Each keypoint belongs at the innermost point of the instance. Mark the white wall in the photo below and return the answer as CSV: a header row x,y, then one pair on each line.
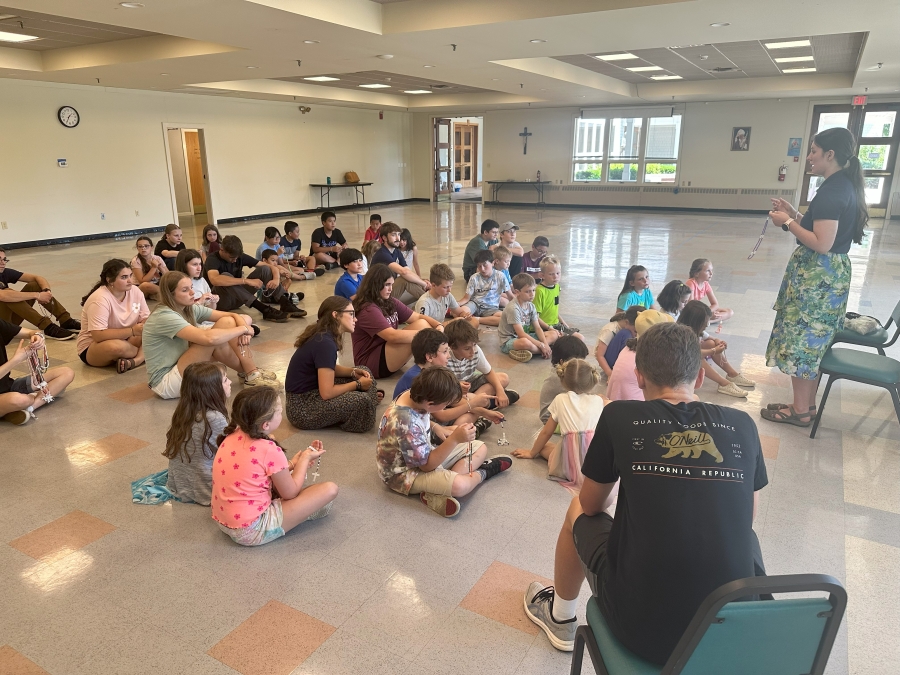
x,y
262,156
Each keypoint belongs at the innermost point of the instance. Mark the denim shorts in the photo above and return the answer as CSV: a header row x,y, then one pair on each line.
x,y
507,346
261,531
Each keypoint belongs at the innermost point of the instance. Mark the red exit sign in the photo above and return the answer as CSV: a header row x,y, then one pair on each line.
x,y
859,100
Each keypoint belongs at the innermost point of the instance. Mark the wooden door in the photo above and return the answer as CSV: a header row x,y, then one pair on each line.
x,y
443,184
195,171
465,149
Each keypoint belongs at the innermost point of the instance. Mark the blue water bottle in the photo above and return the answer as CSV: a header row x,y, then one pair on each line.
x,y
328,180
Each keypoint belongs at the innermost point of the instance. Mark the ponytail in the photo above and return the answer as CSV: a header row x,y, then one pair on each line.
x,y
108,274
843,144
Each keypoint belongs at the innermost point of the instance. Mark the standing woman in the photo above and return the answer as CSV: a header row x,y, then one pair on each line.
x,y
320,393
813,297
147,268
378,341
112,320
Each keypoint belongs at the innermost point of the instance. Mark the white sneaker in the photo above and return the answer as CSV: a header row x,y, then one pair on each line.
x,y
741,381
732,390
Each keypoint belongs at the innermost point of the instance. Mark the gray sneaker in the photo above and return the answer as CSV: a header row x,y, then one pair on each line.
x,y
539,608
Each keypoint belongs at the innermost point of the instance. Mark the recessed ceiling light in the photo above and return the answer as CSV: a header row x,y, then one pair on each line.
x,y
643,69
164,74
384,56
536,42
375,86
798,70
417,91
787,45
616,57
495,79
719,24
794,59
16,37
310,42
252,67
428,66
131,5
322,78
665,77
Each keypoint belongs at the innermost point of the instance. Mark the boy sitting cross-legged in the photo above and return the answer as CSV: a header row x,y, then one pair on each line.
x,y
430,350
439,300
409,464
348,284
472,369
546,297
515,339
484,290
502,260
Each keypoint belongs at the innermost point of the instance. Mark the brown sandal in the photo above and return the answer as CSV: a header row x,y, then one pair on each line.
x,y
779,416
124,365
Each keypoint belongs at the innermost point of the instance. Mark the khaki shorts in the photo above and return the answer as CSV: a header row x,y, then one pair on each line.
x,y
170,385
440,481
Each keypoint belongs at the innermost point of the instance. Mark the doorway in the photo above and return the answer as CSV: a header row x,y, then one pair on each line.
x,y
188,176
876,128
458,158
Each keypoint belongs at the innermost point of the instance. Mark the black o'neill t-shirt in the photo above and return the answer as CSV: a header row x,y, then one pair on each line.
x,y
683,524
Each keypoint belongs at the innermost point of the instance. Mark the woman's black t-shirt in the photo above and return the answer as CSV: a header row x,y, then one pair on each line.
x,y
835,200
320,351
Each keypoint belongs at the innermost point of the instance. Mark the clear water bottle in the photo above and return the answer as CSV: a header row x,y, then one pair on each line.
x,y
539,177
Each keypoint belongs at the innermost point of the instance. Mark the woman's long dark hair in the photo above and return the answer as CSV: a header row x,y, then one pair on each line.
x,y
406,235
108,274
370,289
843,144
184,256
634,269
201,391
670,297
327,323
251,409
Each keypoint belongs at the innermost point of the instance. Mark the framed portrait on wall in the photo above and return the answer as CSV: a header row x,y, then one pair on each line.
x,y
740,138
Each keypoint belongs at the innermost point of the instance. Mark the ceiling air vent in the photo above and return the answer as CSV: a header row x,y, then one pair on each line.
x,y
723,69
439,86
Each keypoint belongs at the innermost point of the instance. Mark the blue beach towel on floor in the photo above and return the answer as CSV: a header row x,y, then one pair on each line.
x,y
152,489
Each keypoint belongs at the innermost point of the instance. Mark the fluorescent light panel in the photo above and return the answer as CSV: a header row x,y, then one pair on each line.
x,y
16,37
665,77
787,45
798,70
794,59
375,86
417,91
616,57
643,69
322,78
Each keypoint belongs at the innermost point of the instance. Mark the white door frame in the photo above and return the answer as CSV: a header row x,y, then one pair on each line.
x,y
206,183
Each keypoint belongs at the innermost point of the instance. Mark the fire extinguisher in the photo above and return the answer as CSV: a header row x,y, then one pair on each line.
x,y
782,172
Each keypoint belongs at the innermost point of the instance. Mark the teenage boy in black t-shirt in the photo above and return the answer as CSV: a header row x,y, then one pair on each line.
x,y
18,306
687,475
327,242
224,270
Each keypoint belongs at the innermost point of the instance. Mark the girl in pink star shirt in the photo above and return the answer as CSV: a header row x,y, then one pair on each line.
x,y
248,464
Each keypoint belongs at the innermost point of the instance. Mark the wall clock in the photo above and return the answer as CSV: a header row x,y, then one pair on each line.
x,y
68,116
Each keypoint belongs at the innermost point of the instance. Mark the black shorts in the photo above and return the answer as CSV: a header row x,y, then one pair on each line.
x,y
83,357
383,370
591,535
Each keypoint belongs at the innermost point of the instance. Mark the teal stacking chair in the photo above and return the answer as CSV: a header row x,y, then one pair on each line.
x,y
791,636
878,338
856,366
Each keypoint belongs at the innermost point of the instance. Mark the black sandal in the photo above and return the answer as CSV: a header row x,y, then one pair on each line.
x,y
779,416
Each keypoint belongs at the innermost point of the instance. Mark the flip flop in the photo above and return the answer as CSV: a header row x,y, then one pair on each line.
x,y
124,365
781,417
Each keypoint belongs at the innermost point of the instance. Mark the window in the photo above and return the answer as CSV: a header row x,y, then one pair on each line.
x,y
637,149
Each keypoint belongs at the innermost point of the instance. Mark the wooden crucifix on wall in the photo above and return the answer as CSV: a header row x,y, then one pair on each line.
x,y
525,134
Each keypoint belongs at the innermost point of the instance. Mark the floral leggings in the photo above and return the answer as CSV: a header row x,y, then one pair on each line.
x,y
353,411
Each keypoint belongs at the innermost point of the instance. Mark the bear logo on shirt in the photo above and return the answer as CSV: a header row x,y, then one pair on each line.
x,y
686,442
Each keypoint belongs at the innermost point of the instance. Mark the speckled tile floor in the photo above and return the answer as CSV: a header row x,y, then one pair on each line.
x,y
92,583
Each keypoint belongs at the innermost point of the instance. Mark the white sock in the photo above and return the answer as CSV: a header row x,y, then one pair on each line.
x,y
563,610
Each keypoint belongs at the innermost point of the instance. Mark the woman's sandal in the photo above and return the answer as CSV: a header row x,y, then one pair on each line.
x,y
779,416
124,365
379,395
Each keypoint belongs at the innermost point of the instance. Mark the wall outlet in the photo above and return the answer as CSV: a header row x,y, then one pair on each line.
x,y
102,216
136,212
3,226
